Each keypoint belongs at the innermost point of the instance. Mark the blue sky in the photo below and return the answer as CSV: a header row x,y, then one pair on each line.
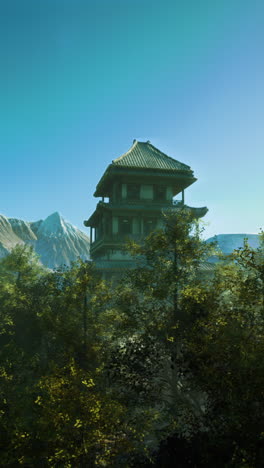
x,y
80,79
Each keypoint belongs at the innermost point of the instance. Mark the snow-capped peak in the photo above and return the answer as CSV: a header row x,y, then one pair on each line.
x,y
53,226
56,226
55,240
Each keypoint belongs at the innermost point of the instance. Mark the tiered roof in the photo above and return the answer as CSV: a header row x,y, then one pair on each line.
x,y
143,156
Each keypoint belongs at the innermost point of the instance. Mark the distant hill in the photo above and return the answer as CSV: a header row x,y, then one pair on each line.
x,y
56,241
229,242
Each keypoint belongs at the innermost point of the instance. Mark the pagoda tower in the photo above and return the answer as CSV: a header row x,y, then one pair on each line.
x,y
139,186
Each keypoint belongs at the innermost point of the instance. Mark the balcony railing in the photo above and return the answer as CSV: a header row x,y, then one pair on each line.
x,y
141,203
115,240
177,203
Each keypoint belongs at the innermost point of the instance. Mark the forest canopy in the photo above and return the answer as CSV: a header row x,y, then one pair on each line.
x,y
162,368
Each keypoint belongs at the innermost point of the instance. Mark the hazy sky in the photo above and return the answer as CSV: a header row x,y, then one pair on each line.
x,y
80,79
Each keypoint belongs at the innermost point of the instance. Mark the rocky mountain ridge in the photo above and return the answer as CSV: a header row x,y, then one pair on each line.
x,y
55,240
58,242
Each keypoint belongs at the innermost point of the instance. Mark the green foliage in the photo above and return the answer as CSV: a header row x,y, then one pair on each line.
x,y
165,366
203,372
221,355
55,408
48,320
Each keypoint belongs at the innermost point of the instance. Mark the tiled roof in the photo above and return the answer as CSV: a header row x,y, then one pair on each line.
x,y
197,212
145,155
207,266
144,159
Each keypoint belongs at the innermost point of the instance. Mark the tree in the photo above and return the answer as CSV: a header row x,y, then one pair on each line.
x,y
165,368
221,356
203,370
150,321
167,261
19,341
55,409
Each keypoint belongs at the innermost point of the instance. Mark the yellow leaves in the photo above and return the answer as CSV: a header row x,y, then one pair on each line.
x,y
4,374
60,454
195,292
171,338
221,322
38,400
63,416
78,423
73,369
22,435
95,410
88,383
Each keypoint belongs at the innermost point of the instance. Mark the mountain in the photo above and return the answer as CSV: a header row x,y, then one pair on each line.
x,y
8,238
56,241
228,242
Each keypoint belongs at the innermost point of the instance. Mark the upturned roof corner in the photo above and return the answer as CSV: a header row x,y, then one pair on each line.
x,y
141,157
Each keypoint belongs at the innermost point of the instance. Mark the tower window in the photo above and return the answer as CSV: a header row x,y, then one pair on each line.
x,y
125,225
160,193
149,225
133,191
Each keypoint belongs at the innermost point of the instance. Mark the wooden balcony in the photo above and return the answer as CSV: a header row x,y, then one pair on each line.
x,y
113,241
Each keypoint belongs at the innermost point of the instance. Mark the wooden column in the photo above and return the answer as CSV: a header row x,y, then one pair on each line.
x,y
141,226
183,197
